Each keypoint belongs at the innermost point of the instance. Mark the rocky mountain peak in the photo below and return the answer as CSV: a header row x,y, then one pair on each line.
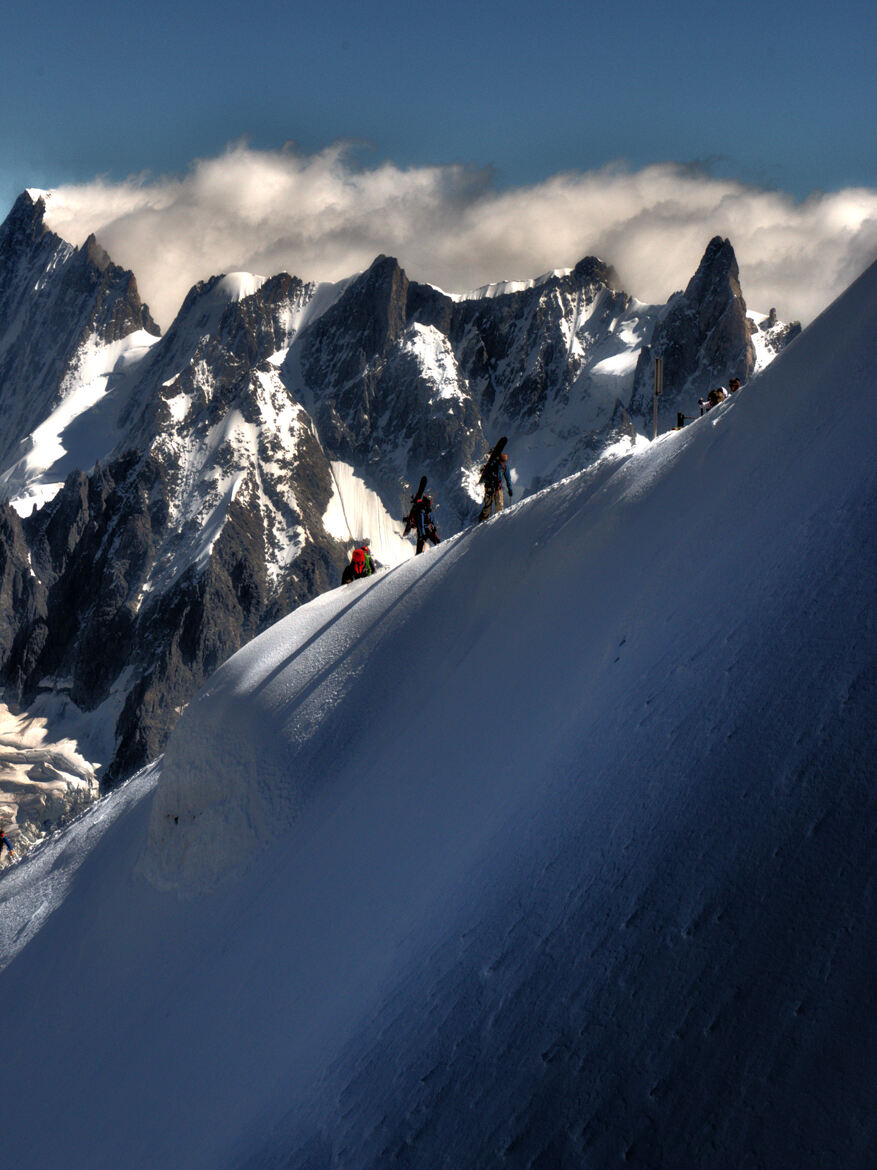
x,y
704,338
95,254
717,273
25,223
26,249
227,325
59,305
383,291
347,347
117,309
594,271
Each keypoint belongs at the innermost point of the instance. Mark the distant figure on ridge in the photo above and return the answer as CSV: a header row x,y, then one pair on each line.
x,y
420,518
712,399
492,474
734,385
360,566
4,840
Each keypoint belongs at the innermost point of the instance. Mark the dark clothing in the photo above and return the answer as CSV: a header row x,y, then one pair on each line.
x,y
493,502
350,574
430,534
360,566
712,399
4,840
492,478
420,519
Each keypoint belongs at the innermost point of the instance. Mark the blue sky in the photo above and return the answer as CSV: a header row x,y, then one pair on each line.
x,y
779,95
775,98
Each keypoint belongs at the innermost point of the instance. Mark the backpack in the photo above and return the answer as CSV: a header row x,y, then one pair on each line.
x,y
490,474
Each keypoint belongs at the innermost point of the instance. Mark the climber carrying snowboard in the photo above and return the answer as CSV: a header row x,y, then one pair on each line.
x,y
492,473
420,518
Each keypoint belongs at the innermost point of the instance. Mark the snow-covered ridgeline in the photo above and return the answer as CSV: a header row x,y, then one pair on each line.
x,y
502,288
552,846
83,428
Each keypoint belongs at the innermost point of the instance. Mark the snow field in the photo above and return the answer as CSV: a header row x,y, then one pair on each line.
x,y
551,847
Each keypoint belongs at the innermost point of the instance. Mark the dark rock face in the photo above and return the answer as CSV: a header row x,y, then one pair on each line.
x,y
520,342
519,359
365,387
90,616
133,585
704,339
23,599
93,547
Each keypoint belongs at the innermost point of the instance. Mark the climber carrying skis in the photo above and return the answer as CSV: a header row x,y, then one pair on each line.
x,y
420,518
360,566
492,474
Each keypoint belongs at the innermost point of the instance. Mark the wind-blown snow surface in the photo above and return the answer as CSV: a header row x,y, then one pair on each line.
x,y
553,847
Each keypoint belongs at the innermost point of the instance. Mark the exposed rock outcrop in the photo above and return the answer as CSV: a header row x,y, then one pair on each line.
x,y
54,299
704,338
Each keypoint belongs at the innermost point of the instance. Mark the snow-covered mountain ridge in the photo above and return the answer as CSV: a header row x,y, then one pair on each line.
x,y
555,859
216,477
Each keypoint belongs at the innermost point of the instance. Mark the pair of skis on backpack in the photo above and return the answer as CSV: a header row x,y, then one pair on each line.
x,y
419,515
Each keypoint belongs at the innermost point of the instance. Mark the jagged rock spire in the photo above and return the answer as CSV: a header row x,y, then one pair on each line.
x,y
704,337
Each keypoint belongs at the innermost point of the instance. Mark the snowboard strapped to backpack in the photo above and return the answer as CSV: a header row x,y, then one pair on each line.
x,y
417,501
490,471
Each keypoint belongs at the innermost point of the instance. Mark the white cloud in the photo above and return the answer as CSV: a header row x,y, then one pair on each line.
x,y
321,217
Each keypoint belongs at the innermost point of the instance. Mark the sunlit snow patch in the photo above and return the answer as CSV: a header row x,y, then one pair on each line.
x,y
503,288
356,513
433,353
239,285
42,778
64,441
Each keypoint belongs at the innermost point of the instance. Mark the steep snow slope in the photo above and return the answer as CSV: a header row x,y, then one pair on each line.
x,y
83,426
552,847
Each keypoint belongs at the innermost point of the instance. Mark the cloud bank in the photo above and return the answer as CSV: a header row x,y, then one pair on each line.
x,y
323,217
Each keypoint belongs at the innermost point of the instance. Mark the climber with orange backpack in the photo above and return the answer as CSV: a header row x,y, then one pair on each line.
x,y
360,566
